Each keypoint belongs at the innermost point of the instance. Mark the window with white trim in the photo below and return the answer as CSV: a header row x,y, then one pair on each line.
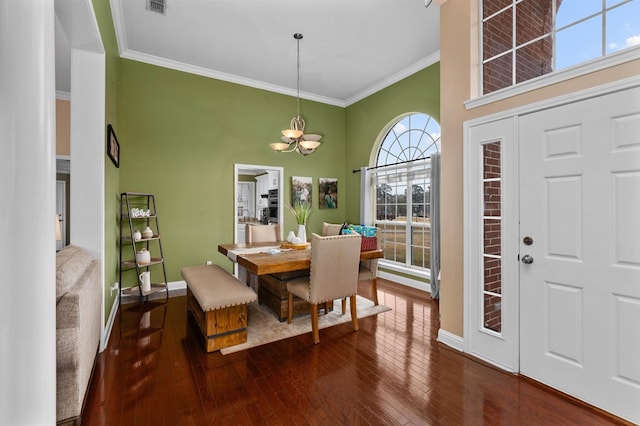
x,y
401,183
524,39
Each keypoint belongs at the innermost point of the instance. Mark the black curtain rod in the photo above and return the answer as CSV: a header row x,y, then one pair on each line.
x,y
394,164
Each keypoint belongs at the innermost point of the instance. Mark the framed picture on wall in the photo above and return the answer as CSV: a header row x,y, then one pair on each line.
x,y
328,193
113,147
300,189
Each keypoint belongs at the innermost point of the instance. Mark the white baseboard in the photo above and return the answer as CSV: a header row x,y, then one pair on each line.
x,y
420,285
451,340
177,285
109,325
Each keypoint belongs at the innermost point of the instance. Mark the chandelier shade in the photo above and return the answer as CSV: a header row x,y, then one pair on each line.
x,y
293,138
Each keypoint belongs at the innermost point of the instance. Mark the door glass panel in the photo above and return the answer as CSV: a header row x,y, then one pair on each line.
x,y
493,312
492,237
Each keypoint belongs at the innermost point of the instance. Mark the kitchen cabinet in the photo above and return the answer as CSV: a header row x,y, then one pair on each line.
x,y
241,233
262,184
273,180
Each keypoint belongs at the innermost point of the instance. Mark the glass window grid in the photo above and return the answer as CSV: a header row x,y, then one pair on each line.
x,y
607,6
404,188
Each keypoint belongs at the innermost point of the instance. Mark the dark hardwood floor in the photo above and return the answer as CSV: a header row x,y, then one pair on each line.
x,y
155,372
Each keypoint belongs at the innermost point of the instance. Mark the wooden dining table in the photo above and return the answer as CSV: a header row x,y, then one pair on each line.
x,y
273,271
287,260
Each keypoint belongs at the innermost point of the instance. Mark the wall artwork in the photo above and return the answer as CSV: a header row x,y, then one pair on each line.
x,y
328,191
300,189
113,147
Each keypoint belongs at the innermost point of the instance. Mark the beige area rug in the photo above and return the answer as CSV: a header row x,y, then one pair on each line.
x,y
264,327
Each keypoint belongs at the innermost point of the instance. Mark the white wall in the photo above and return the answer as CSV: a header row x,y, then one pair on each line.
x,y
27,221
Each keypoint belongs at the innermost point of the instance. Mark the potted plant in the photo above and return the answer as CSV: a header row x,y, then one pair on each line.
x,y
301,210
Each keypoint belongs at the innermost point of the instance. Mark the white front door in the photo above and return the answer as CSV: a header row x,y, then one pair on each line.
x,y
580,216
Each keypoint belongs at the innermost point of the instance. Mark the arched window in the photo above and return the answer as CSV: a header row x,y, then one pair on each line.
x,y
413,137
401,182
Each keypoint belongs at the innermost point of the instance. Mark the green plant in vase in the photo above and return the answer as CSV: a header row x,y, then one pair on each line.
x,y
301,210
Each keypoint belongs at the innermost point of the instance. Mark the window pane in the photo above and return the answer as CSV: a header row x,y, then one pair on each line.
x,y
420,243
497,34
493,275
579,43
393,242
497,73
492,198
570,11
534,60
623,27
534,18
491,160
493,312
492,234
489,7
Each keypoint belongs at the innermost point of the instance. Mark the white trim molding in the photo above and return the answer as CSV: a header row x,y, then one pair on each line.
x,y
106,332
451,340
594,65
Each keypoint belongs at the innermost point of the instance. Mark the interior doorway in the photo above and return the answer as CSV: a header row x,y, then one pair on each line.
x,y
268,181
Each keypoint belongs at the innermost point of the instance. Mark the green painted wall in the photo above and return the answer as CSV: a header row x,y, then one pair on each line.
x,y
111,179
180,136
367,118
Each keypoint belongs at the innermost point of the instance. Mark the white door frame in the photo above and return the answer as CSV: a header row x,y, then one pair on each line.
x,y
510,233
497,348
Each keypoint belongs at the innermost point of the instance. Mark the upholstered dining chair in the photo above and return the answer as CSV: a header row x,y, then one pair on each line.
x,y
334,275
369,272
262,233
331,228
257,234
368,268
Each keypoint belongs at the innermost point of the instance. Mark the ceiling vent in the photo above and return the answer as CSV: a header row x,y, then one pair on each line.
x,y
156,6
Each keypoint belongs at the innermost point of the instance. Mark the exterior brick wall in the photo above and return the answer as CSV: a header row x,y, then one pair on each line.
x,y
533,19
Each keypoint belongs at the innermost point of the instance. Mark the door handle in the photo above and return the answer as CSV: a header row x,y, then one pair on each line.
x,y
527,259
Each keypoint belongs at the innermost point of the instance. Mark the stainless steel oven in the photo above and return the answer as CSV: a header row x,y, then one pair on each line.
x,y
273,206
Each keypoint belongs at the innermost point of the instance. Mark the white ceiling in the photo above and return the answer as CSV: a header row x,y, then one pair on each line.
x,y
350,49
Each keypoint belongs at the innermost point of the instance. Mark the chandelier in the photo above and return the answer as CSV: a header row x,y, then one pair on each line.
x,y
293,138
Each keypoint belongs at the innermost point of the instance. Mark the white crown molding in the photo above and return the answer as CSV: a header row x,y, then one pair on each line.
x,y
117,16
63,96
231,78
394,78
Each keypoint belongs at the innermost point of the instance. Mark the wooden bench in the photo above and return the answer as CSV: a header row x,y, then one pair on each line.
x,y
218,303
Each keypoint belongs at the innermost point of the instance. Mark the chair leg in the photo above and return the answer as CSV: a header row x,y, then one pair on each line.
x,y
374,289
290,309
354,314
344,305
314,323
